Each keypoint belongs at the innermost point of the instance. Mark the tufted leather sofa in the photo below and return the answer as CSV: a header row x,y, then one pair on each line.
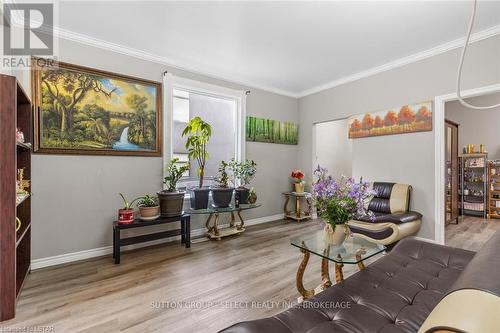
x,y
392,220
451,288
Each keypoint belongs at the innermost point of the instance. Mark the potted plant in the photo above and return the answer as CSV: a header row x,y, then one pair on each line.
x,y
337,202
126,214
148,207
198,134
243,173
252,198
222,193
298,177
171,199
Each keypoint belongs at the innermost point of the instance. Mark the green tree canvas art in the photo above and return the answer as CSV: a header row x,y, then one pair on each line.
x,y
86,111
271,131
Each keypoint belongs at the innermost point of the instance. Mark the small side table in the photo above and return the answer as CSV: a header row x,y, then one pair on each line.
x,y
184,232
298,214
353,251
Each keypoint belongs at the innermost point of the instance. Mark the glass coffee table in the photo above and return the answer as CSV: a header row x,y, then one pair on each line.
x,y
353,251
212,223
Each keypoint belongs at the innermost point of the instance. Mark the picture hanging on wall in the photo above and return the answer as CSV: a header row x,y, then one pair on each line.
x,y
400,120
271,131
79,110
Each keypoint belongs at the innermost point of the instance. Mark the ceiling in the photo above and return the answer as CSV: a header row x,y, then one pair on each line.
x,y
290,47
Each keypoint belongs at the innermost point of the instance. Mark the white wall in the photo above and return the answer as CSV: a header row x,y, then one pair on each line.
x,y
407,158
333,147
75,197
477,126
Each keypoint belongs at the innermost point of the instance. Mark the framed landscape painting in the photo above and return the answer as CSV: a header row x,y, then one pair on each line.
x,y
80,110
271,131
404,119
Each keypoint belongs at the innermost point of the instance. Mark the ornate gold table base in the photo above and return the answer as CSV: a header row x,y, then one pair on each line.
x,y
325,275
298,214
214,232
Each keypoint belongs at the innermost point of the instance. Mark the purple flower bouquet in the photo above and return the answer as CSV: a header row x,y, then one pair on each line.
x,y
337,202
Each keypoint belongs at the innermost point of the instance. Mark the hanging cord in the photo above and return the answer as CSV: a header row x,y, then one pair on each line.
x,y
464,50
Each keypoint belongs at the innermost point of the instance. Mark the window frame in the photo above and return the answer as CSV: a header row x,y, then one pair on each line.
x,y
171,82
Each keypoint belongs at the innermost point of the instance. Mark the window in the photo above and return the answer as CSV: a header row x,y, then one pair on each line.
x,y
222,108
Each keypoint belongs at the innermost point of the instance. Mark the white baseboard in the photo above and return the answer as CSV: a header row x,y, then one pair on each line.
x,y
107,250
428,240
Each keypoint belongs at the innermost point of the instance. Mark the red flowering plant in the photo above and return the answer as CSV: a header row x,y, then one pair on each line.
x,y
297,176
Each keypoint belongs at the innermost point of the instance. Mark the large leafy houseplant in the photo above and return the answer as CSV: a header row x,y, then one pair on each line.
x,y
198,134
172,200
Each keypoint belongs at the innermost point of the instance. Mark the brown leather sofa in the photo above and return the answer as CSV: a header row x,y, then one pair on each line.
x,y
392,220
417,287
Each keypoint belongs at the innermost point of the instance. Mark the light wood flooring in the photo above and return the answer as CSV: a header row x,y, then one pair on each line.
x,y
259,266
471,232
97,296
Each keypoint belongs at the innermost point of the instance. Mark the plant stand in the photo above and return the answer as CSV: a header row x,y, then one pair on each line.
x,y
214,229
298,214
214,232
184,232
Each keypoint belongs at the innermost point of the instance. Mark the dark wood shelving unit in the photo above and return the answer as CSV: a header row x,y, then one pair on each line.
x,y
494,189
15,260
473,178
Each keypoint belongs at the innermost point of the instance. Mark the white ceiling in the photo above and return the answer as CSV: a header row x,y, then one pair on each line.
x,y
292,47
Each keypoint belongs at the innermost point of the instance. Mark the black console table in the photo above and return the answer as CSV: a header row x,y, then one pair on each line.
x,y
184,232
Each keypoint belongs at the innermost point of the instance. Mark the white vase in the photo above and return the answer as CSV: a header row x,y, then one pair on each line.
x,y
335,235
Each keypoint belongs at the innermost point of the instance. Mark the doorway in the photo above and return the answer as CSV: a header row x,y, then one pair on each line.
x,y
332,147
467,145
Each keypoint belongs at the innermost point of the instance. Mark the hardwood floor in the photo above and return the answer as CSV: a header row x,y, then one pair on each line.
x,y
471,232
98,296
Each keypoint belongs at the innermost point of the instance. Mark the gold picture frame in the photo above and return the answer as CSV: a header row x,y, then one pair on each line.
x,y
86,111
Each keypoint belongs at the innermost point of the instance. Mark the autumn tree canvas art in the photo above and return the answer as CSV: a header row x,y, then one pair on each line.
x,y
400,120
80,110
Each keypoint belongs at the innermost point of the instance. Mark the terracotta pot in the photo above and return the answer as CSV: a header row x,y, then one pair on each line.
x,y
335,236
125,216
299,187
149,211
171,203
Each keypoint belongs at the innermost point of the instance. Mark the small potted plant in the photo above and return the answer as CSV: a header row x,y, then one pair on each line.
x,y
198,134
171,199
148,207
337,202
222,193
126,214
243,173
298,184
252,198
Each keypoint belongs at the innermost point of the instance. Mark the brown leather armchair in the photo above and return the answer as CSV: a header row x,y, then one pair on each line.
x,y
392,219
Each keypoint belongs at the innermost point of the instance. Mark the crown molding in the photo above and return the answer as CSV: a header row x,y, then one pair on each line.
x,y
449,46
136,53
184,66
